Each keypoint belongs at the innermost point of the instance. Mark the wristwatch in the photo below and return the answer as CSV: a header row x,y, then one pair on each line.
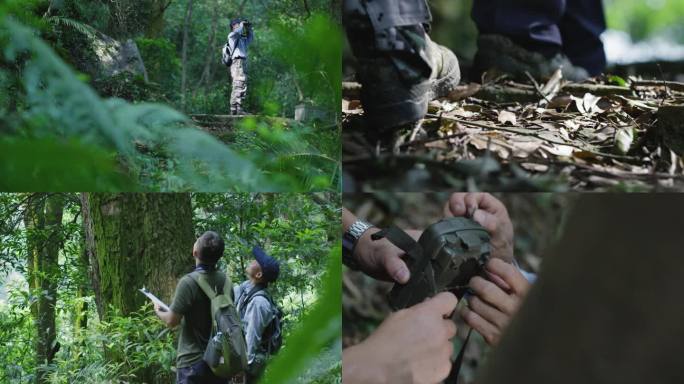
x,y
349,240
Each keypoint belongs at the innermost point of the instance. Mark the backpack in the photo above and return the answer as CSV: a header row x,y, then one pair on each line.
x,y
226,352
227,55
272,339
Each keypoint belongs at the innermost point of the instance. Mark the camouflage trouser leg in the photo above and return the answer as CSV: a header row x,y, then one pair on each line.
x,y
238,73
389,41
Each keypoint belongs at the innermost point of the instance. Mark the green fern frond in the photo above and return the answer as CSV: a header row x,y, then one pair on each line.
x,y
76,25
74,110
157,144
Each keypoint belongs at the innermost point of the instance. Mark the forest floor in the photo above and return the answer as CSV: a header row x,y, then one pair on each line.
x,y
223,127
603,134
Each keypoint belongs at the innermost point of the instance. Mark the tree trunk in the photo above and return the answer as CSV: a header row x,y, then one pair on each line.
x,y
139,240
43,221
89,249
306,8
155,28
184,70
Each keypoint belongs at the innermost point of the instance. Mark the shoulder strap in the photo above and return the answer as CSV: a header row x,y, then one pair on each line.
x,y
250,294
246,297
230,50
419,267
228,289
261,292
201,280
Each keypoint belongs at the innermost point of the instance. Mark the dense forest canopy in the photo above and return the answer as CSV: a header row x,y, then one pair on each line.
x,y
128,94
72,264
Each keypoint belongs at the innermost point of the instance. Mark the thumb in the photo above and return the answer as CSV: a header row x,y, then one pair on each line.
x,y
486,220
444,303
396,268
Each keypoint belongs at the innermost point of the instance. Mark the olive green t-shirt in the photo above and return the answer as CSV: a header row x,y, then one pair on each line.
x,y
190,301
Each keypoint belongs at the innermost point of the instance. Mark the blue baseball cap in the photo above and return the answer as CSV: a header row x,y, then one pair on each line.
x,y
270,267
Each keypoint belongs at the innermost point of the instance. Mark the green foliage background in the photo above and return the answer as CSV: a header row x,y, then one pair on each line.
x,y
301,230
133,132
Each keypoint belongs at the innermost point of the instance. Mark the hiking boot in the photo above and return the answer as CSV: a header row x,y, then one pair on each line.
x,y
396,87
445,74
497,54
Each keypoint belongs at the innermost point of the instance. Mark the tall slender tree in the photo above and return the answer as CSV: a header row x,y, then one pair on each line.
x,y
184,58
43,221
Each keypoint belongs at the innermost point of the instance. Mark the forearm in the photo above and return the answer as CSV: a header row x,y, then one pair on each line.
x,y
348,219
169,318
364,243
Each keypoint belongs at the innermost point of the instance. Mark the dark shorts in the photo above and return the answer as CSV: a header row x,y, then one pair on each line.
x,y
198,373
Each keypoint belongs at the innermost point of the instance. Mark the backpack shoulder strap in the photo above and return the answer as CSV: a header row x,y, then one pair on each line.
x,y
264,294
204,284
246,297
256,290
228,289
228,40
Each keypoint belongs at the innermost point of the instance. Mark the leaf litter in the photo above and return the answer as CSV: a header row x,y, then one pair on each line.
x,y
505,135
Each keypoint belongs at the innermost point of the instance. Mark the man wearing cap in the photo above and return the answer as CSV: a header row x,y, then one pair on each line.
x,y
238,40
256,309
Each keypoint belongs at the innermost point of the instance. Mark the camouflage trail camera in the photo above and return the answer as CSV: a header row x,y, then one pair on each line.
x,y
447,255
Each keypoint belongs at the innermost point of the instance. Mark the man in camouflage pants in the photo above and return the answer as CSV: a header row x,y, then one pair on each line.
x,y
239,39
399,67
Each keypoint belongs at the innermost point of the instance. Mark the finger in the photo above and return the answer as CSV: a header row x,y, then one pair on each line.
x,y
488,312
498,281
493,294
482,326
455,206
489,221
485,201
449,328
396,268
443,303
473,201
510,274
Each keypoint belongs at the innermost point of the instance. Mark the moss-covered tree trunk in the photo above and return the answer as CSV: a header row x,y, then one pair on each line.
x,y
155,28
43,221
137,240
